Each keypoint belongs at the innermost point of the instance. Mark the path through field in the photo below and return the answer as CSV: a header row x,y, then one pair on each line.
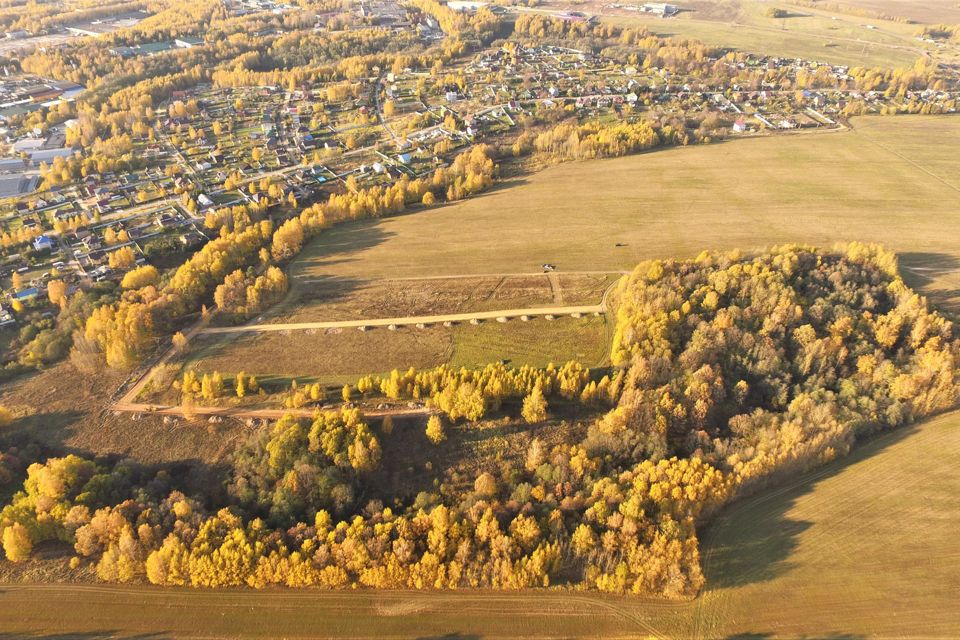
x,y
505,314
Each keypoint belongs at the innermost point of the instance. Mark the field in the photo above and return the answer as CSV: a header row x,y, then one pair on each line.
x,y
349,354
275,357
815,34
481,254
863,547
889,180
929,12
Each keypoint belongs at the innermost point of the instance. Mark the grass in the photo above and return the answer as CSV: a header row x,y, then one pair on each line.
x,y
536,343
890,180
607,216
807,33
928,11
337,356
863,547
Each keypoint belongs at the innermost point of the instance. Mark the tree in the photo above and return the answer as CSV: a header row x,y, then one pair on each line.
x,y
179,342
435,430
534,406
122,258
140,277
387,425
485,485
16,543
6,416
240,385
346,393
429,199
57,292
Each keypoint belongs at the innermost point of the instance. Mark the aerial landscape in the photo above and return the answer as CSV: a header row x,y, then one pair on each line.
x,y
476,319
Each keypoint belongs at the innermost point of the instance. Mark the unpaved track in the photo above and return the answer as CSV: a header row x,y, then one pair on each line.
x,y
410,320
257,414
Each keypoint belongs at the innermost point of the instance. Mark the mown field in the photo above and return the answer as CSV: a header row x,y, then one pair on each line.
x,y
889,180
864,547
813,34
892,180
338,356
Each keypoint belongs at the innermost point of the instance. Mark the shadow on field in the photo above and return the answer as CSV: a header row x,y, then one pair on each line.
x,y
921,269
85,635
452,636
337,245
752,540
750,635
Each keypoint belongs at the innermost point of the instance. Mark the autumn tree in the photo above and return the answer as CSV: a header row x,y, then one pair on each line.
x,y
435,430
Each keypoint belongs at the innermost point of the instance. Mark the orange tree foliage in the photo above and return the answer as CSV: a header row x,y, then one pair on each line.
x,y
733,370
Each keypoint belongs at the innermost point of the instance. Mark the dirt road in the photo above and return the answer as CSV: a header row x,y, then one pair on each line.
x,y
507,314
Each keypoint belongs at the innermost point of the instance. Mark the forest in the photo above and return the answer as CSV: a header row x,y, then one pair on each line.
x,y
730,372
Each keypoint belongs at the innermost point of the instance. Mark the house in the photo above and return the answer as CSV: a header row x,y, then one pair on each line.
x,y
6,319
661,9
26,294
187,42
739,126
204,200
44,243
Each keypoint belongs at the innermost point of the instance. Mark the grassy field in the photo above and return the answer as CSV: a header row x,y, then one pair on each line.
x,y
890,180
336,356
864,547
814,34
928,11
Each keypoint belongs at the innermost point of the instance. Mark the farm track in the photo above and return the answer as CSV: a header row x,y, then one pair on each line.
x,y
410,320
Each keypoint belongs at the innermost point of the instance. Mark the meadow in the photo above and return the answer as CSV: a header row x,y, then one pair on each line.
x,y
863,547
814,34
890,180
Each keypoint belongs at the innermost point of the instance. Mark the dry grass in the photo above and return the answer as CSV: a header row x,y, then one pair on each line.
x,y
66,411
892,180
336,356
345,298
813,34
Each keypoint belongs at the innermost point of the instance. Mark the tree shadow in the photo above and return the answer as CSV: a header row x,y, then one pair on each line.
x,y
452,636
921,269
86,635
341,244
751,541
754,635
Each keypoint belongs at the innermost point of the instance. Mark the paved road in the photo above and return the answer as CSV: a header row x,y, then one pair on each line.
x,y
410,320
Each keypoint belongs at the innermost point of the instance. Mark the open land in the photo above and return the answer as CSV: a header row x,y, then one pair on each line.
x,y
888,180
779,564
814,33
